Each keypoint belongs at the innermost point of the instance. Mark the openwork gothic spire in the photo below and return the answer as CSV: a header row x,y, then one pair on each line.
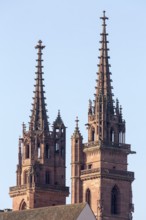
x,y
104,88
39,119
105,121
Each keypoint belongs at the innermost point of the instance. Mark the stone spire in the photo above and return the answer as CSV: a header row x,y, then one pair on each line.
x,y
39,119
105,121
104,88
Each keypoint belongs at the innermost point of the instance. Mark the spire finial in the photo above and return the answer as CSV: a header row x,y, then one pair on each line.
x,y
77,121
39,46
104,18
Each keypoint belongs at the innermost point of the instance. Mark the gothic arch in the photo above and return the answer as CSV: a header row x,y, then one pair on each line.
x,y
88,196
23,205
115,200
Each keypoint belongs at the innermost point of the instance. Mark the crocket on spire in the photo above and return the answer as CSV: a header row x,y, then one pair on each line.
x,y
39,119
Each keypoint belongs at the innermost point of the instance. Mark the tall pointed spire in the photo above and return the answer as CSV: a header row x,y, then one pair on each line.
x,y
39,119
104,116
104,87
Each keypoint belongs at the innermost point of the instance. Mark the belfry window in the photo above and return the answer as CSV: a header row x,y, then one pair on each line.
x,y
115,200
88,196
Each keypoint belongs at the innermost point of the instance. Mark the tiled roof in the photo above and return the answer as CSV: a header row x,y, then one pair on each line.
x,y
62,212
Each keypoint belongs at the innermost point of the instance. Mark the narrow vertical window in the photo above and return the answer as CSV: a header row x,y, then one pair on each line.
x,y
88,196
57,132
27,151
47,151
115,200
93,135
57,147
112,135
39,151
47,177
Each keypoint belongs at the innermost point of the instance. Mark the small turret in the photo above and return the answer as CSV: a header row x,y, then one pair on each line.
x,y
59,134
76,164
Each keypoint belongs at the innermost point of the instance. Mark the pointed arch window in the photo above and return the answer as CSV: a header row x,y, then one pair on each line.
x,y
88,196
23,205
115,200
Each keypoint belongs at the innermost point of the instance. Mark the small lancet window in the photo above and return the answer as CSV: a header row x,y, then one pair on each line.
x,y
93,135
57,132
88,196
27,151
112,135
115,200
47,151
57,147
120,137
39,151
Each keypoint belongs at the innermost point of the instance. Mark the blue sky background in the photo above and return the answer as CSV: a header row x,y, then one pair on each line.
x,y
70,29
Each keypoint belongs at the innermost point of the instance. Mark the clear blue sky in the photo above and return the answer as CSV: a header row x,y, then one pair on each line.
x,y
70,29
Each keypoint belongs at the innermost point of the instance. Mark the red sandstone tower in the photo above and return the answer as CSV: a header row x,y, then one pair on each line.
x,y
99,168
41,158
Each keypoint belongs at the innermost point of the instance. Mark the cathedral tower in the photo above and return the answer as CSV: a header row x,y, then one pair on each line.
x,y
99,167
41,158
